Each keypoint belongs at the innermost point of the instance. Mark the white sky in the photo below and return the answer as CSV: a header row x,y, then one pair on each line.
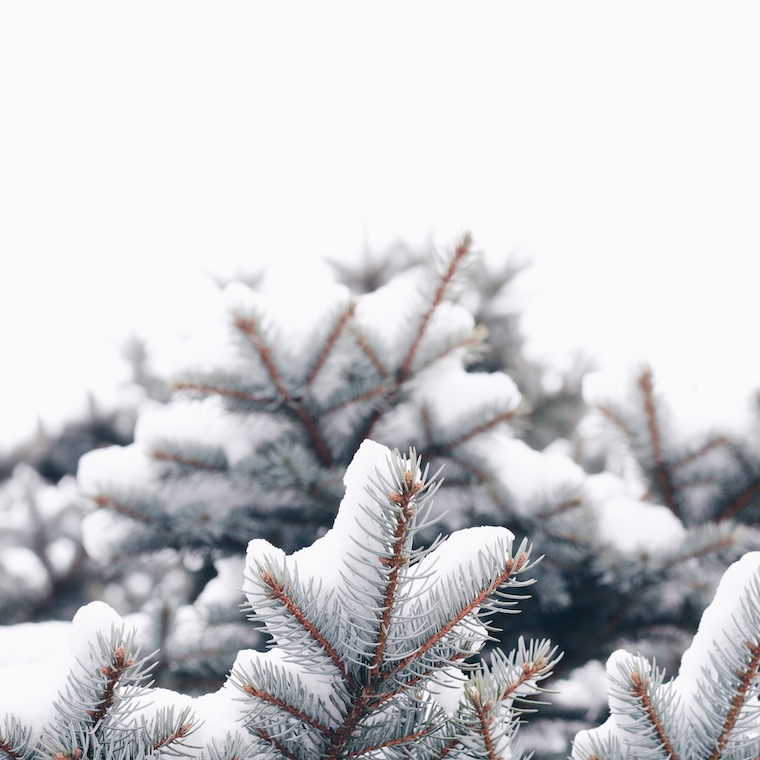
x,y
144,143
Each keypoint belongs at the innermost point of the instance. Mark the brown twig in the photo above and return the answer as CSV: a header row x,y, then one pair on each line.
x,y
196,464
485,721
180,733
714,443
468,435
332,339
640,691
460,252
218,390
264,696
249,328
662,474
740,501
363,343
102,500
512,567
746,679
278,591
113,673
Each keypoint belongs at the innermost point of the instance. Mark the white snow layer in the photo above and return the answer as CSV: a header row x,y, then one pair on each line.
x,y
628,523
533,479
29,688
718,625
120,466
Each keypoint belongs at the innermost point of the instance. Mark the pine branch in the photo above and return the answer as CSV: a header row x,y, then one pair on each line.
x,y
462,250
384,633
661,469
741,500
204,389
329,345
370,353
747,677
709,711
128,510
249,327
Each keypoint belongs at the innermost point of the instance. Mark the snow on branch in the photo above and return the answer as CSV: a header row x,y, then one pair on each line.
x,y
708,712
370,629
375,644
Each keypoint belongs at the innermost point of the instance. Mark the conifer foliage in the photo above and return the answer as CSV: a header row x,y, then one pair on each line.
x,y
710,711
375,651
711,476
259,432
366,652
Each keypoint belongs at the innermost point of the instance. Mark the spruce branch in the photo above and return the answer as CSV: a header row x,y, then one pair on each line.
x,y
358,649
205,389
14,740
709,712
329,344
461,251
661,468
250,328
739,502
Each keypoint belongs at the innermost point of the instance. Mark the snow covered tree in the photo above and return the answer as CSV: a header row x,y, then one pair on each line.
x,y
376,644
276,398
710,711
270,405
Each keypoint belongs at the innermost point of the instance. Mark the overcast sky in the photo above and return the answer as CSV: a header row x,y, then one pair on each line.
x,y
147,143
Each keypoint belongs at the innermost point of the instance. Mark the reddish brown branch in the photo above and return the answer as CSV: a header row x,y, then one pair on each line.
x,y
378,390
249,328
266,697
715,443
660,467
332,339
565,506
460,252
181,732
394,742
724,543
741,501
746,679
286,753
279,592
484,721
396,562
482,428
102,500
640,691
113,673
370,352
512,567
529,670
197,464
615,419
218,390
472,339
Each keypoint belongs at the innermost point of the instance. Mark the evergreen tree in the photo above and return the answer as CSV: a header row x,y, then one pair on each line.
x,y
375,641
255,442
